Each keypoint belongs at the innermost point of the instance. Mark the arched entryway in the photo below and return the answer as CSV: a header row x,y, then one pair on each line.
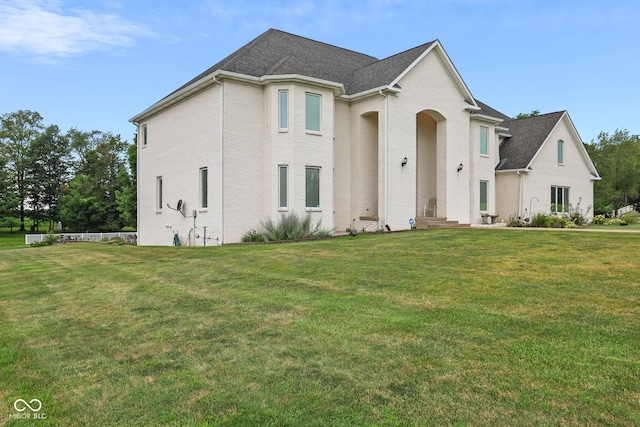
x,y
430,169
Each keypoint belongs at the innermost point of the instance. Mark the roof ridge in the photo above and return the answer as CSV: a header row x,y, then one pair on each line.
x,y
234,55
539,115
319,42
423,45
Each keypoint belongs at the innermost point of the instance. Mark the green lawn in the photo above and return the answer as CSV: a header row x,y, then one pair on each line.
x,y
10,240
452,327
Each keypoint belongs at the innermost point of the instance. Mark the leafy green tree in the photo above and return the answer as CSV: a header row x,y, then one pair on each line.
x,y
17,132
617,159
8,198
91,202
49,173
81,208
533,113
127,196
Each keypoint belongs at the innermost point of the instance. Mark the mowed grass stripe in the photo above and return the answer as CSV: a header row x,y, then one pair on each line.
x,y
463,327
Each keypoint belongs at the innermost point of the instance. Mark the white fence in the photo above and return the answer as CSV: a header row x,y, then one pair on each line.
x,y
623,210
128,236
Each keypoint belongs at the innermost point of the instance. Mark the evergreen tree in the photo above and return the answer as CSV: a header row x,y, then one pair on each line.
x,y
17,131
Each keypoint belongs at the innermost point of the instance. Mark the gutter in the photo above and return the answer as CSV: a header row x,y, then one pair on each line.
x,y
372,92
221,241
485,118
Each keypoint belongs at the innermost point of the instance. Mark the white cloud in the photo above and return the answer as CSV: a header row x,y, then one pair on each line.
x,y
45,29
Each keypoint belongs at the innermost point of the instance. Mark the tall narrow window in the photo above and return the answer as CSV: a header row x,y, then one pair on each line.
x,y
312,111
283,187
559,199
484,146
484,192
204,188
159,193
144,135
312,187
283,114
560,151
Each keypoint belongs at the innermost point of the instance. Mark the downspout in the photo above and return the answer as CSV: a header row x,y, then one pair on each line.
x,y
520,195
138,192
221,241
386,156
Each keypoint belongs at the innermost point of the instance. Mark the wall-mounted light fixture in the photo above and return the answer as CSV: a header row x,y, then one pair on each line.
x,y
459,167
404,162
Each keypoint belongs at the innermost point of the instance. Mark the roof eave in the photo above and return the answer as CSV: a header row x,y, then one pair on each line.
x,y
219,75
176,97
486,118
522,170
372,92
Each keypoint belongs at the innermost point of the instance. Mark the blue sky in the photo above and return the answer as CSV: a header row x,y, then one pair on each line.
x,y
95,64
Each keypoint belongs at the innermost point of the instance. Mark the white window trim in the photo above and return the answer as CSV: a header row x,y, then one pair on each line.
x,y
487,142
559,144
311,131
201,193
480,195
565,203
283,208
145,139
281,129
159,195
319,207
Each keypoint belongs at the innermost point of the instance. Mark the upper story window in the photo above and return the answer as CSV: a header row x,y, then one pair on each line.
x,y
283,110
144,135
560,152
484,137
312,112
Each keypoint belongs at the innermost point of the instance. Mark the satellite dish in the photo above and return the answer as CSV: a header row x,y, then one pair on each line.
x,y
179,206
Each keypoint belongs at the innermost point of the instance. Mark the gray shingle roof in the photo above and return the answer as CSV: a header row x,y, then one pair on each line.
x,y
277,52
488,111
527,136
383,72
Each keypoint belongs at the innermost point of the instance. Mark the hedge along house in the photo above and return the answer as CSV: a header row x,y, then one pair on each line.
x,y
288,124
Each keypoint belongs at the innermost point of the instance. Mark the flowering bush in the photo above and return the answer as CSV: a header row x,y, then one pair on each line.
x,y
598,220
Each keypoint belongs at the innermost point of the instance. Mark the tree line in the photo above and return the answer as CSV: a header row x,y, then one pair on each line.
x,y
617,158
87,180
84,180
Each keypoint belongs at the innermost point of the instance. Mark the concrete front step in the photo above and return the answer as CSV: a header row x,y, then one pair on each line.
x,y
425,223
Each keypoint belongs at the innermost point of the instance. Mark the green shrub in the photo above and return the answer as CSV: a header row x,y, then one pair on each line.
x,y
516,221
632,217
539,220
554,221
48,240
614,221
288,227
252,236
577,215
598,219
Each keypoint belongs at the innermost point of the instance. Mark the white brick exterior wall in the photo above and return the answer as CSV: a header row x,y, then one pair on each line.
x,y
546,172
180,141
426,122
